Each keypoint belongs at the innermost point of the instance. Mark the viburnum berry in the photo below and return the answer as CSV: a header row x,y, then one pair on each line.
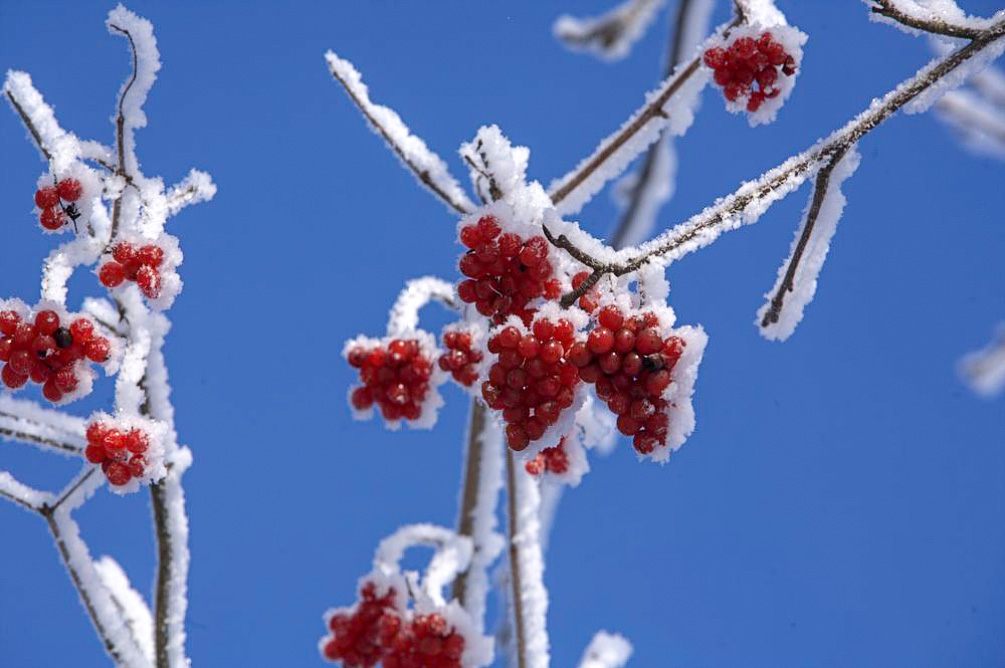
x,y
550,460
52,218
48,353
460,358
46,198
588,301
355,633
531,382
504,271
749,68
428,641
631,364
396,377
69,190
49,199
119,450
139,264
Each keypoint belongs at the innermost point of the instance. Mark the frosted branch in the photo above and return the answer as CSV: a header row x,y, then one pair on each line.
x,y
753,198
427,167
129,603
978,121
146,62
14,490
418,292
984,370
483,480
526,565
612,35
606,650
669,106
797,277
942,19
27,422
196,187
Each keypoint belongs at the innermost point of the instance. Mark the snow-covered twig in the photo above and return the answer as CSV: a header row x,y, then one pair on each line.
x,y
14,490
797,278
984,370
27,422
651,186
753,198
606,650
669,106
979,122
526,566
612,35
428,167
914,15
197,187
129,602
404,315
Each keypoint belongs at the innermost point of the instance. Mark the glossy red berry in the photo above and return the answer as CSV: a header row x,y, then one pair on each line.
x,y
111,274
70,190
52,218
749,68
149,281
46,198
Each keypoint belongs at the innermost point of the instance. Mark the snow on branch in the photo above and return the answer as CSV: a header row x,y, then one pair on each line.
x,y
752,199
979,124
14,490
612,35
940,17
984,370
27,422
56,144
197,187
418,292
606,650
129,602
797,277
428,167
644,192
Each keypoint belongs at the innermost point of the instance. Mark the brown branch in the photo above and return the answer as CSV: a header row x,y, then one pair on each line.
x,y
645,174
73,488
470,492
21,502
736,203
421,174
25,437
120,131
933,25
819,193
164,560
514,562
31,126
651,111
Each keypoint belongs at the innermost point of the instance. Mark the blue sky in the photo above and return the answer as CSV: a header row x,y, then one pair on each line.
x,y
842,500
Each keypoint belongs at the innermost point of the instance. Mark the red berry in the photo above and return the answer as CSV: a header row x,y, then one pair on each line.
x,y
6,348
137,441
52,218
96,432
46,198
94,453
149,281
137,466
70,190
98,349
150,255
12,378
9,320
112,274
65,379
81,330
123,252
47,322
118,473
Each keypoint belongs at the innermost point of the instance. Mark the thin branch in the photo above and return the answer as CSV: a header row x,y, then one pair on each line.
x,y
516,576
120,131
28,124
819,193
74,486
469,492
455,199
612,34
717,217
933,25
159,504
36,439
27,497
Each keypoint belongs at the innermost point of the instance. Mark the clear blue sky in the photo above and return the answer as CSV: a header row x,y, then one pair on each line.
x,y
843,499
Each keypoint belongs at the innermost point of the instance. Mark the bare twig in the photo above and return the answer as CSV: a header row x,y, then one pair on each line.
x,y
819,193
715,217
933,25
31,126
514,562
157,499
35,439
469,493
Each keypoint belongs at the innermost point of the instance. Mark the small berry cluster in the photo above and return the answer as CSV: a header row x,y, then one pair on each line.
x,y
47,352
134,263
550,460
426,642
460,359
119,451
532,382
630,365
748,61
355,632
395,377
504,271
50,200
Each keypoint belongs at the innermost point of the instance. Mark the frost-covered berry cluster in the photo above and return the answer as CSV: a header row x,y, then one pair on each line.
x,y
379,629
129,450
460,358
630,363
504,270
749,69
57,203
50,350
396,377
550,460
139,264
531,381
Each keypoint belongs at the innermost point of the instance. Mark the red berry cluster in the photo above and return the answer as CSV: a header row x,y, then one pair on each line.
x,y
532,382
134,263
588,300
54,215
550,460
505,272
396,378
427,642
748,61
460,359
47,352
355,633
119,452
630,365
